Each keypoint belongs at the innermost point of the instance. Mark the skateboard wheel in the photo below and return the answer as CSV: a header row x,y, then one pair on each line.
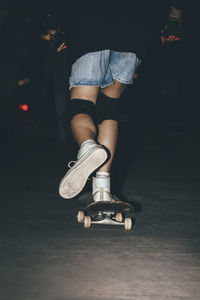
x,y
87,222
80,216
128,223
118,217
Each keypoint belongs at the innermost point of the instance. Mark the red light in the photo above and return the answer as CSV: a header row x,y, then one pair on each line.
x,y
23,107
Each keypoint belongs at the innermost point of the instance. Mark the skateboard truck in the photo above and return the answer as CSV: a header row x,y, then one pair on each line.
x,y
107,213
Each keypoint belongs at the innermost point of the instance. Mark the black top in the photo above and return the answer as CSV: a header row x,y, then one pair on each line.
x,y
127,26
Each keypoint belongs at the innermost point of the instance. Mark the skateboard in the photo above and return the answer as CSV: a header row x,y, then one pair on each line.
x,y
107,213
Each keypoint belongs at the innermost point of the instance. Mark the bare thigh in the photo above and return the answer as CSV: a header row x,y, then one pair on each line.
x,y
91,92
115,90
85,93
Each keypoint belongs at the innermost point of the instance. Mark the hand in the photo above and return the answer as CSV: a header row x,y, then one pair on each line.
x,y
173,31
169,39
22,82
61,47
58,37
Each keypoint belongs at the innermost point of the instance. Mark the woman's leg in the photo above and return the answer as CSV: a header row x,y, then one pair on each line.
x,y
91,155
82,125
108,129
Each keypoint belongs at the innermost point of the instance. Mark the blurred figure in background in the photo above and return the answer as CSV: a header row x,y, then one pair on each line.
x,y
173,30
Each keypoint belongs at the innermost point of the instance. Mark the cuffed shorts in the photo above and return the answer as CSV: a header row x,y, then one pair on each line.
x,y
101,67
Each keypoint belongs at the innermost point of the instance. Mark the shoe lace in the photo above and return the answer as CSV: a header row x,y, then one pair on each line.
x,y
71,163
102,191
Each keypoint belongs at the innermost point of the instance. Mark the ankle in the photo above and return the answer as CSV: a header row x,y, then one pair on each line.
x,y
101,187
102,174
85,146
88,143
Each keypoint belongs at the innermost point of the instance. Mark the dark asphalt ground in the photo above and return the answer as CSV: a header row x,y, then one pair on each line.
x,y
46,254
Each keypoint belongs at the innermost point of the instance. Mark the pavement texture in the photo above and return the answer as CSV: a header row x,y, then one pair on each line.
x,y
46,254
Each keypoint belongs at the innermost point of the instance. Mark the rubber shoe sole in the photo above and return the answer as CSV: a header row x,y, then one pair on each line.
x,y
75,179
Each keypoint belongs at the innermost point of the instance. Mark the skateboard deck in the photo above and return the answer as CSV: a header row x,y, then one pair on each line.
x,y
105,213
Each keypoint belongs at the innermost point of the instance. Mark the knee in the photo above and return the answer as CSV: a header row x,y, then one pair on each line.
x,y
107,108
78,107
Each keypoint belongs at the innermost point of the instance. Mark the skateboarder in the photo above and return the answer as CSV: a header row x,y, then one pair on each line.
x,y
109,43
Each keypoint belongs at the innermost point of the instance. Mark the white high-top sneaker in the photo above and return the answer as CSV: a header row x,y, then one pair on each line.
x,y
90,157
101,187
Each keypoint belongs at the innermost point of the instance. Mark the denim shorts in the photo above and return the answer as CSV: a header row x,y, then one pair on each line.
x,y
101,67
